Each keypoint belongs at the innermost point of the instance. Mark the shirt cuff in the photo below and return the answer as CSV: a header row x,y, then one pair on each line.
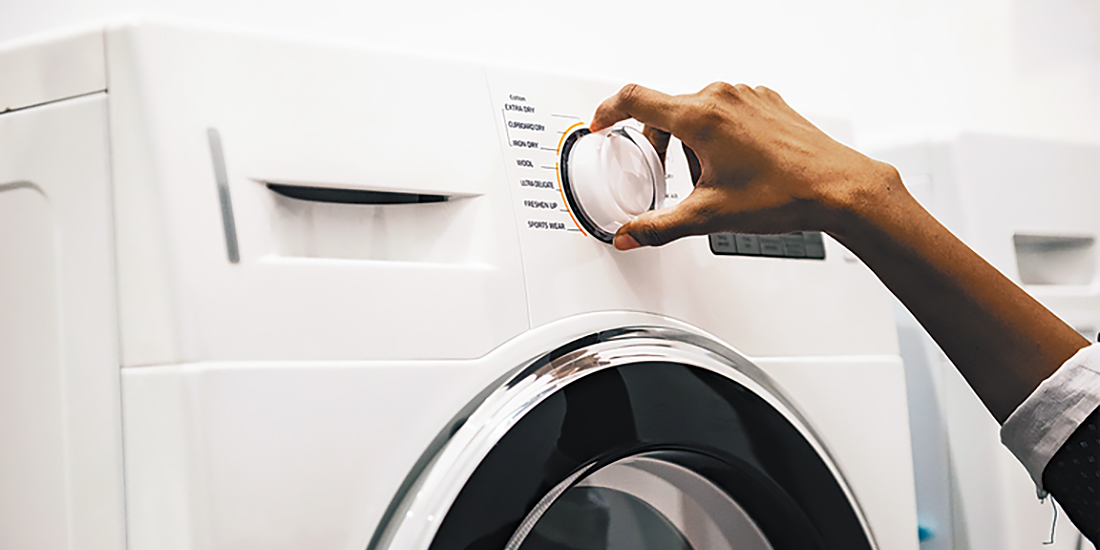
x,y
1043,422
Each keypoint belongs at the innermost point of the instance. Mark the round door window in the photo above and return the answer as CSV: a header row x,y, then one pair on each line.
x,y
632,439
639,503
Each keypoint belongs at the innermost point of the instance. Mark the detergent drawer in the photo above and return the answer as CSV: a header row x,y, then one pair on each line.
x,y
290,200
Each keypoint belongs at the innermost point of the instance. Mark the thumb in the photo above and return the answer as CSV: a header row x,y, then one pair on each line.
x,y
663,226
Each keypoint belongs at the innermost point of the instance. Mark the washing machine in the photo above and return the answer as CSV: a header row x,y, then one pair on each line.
x,y
1028,206
266,292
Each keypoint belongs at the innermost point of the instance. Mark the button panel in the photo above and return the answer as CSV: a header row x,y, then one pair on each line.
x,y
747,244
771,245
805,245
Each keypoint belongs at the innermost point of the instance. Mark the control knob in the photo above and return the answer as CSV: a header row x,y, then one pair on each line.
x,y
610,177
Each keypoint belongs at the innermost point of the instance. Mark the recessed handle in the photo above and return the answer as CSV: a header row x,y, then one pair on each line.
x,y
352,196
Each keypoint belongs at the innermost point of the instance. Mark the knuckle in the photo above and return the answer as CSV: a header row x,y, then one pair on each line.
x,y
767,92
725,92
718,87
722,90
629,93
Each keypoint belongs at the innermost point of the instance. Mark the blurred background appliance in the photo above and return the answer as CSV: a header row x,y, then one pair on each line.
x,y
1031,207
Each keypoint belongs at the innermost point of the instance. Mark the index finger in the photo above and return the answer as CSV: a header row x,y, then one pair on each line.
x,y
647,106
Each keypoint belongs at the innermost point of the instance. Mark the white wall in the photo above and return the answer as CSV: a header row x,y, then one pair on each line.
x,y
896,68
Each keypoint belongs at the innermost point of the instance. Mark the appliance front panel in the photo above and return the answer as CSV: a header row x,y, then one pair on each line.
x,y
292,454
232,155
765,306
279,200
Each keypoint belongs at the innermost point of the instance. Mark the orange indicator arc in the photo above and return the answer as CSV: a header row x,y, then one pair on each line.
x,y
557,173
566,133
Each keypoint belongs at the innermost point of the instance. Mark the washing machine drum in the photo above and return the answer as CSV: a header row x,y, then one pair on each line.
x,y
623,452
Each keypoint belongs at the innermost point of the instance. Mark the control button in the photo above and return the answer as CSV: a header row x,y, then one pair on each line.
x,y
815,246
723,243
748,245
805,244
794,246
610,177
771,245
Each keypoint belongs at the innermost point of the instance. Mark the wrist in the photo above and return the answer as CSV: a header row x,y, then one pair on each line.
x,y
872,202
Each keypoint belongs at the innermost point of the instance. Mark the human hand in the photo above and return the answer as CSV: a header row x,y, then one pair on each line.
x,y
762,168
758,166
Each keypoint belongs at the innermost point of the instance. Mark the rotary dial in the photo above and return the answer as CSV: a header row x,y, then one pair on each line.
x,y
609,177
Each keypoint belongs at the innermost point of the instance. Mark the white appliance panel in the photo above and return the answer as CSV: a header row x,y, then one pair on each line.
x,y
298,354
763,306
293,454
315,116
60,432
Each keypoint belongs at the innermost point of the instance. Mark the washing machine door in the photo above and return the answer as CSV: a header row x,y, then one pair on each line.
x,y
631,439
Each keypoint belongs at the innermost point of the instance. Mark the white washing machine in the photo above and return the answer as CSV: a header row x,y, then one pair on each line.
x,y
1028,206
275,294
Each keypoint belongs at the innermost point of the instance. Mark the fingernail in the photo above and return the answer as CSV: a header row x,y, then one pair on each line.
x,y
625,242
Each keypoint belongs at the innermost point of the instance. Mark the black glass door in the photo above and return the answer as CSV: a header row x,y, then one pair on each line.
x,y
652,455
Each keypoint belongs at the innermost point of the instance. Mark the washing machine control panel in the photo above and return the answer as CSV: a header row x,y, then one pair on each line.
x,y
571,184
565,179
